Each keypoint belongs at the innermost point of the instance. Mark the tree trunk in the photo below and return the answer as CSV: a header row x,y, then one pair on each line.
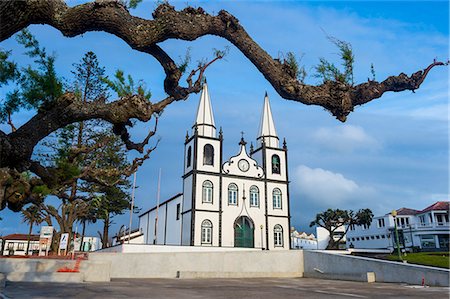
x,y
82,236
29,237
106,225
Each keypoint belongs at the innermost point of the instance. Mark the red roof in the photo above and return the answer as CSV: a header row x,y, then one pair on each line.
x,y
20,237
438,206
407,211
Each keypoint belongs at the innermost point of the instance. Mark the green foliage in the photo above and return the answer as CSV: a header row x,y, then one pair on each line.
x,y
330,72
295,68
372,71
331,220
38,86
184,62
8,69
434,259
90,78
126,87
131,3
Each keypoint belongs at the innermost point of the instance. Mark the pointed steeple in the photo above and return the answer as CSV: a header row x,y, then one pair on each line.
x,y
267,132
204,122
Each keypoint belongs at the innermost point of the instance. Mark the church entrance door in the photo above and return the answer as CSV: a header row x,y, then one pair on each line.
x,y
244,232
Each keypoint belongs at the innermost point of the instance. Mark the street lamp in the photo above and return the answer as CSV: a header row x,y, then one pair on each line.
x,y
262,245
394,214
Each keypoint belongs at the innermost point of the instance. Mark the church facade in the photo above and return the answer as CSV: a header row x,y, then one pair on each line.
x,y
239,202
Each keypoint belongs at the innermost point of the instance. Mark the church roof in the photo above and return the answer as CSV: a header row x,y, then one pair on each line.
x,y
267,131
205,118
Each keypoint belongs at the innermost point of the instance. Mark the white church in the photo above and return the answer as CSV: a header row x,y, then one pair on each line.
x,y
239,202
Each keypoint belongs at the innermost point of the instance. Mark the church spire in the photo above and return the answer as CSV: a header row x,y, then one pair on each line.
x,y
267,132
204,122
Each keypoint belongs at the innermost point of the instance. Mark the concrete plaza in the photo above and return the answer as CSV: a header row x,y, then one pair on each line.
x,y
221,288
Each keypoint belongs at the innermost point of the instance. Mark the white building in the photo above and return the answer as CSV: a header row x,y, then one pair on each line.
x,y
303,240
426,230
240,202
16,244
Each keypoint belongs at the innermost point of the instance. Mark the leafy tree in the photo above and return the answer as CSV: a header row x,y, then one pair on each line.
x,y
332,220
55,108
31,215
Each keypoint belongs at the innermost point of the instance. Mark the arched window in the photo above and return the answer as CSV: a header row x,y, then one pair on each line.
x,y
207,195
276,196
206,232
254,196
276,164
208,154
278,236
232,194
188,157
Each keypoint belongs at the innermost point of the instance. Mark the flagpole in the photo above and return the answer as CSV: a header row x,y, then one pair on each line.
x,y
132,206
157,208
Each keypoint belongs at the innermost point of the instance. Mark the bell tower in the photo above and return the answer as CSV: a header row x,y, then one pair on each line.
x,y
273,159
202,164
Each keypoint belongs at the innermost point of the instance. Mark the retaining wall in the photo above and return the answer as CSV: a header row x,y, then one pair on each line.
x,y
203,264
321,264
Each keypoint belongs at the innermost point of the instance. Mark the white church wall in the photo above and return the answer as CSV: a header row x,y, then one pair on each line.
x,y
173,223
143,223
285,225
164,228
199,204
187,194
232,212
273,176
186,228
199,218
284,199
191,164
201,142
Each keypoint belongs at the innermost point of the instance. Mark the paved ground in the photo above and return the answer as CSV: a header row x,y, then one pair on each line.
x,y
221,288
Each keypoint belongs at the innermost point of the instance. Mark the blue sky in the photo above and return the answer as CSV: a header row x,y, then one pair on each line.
x,y
391,153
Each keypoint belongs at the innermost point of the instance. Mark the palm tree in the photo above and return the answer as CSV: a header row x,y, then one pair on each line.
x,y
31,215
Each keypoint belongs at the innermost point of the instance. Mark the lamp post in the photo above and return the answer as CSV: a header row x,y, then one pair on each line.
x,y
262,245
394,214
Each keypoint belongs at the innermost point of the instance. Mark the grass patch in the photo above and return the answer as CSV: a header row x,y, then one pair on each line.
x,y
434,259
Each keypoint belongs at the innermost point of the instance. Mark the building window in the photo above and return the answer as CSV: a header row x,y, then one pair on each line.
x,y
207,196
208,154
20,246
383,237
381,222
254,196
278,236
178,211
188,157
276,164
11,245
206,232
427,241
232,194
276,196
377,237
357,238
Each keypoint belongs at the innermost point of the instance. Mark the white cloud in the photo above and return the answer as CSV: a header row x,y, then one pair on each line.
x,y
345,138
327,188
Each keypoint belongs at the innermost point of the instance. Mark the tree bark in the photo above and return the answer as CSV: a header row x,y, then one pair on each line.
x,y
144,35
29,237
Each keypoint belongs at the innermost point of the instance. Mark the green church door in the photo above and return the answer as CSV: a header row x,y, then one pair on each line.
x,y
244,232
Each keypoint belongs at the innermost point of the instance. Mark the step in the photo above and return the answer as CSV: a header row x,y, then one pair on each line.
x,y
45,277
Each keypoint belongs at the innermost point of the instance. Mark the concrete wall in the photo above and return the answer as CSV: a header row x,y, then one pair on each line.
x,y
322,264
18,269
203,264
144,248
